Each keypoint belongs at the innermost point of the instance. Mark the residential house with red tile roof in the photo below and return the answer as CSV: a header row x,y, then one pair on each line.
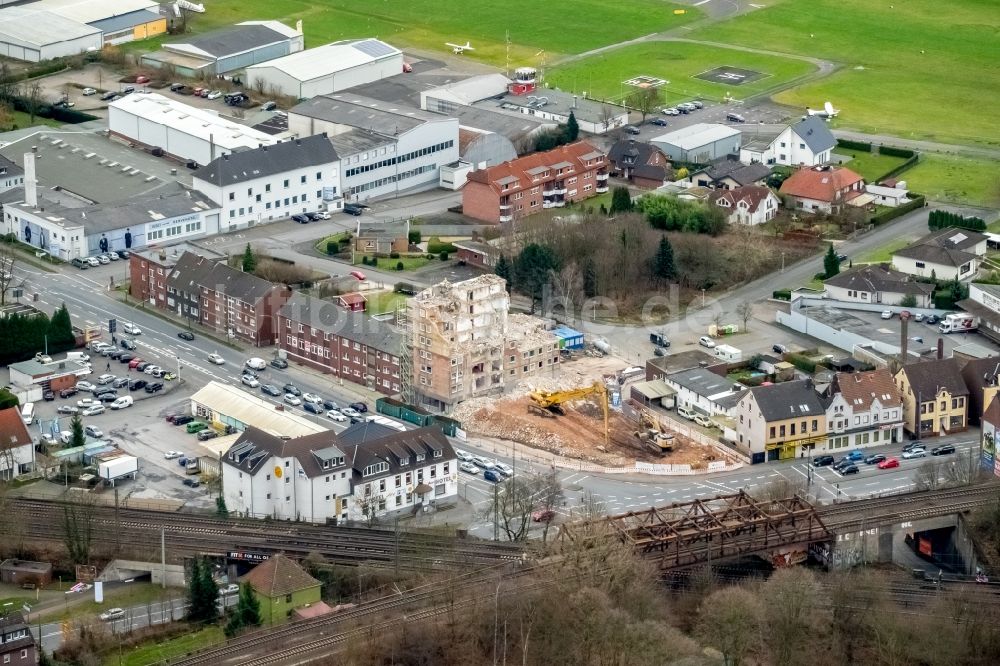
x,y
865,409
16,448
823,189
749,205
536,182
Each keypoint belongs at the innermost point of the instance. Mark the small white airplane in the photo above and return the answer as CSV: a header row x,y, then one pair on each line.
x,y
826,113
460,48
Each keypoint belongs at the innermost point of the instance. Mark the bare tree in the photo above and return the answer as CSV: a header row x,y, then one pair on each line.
x,y
567,286
607,117
790,599
928,475
745,312
77,526
780,488
730,620
32,95
720,318
7,265
644,100
370,504
516,499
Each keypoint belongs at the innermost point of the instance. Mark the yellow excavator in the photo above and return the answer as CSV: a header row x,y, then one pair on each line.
x,y
551,400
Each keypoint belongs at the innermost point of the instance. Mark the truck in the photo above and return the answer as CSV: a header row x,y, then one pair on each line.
x,y
958,323
115,468
728,353
659,339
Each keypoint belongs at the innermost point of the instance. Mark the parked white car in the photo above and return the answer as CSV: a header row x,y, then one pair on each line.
x,y
291,399
313,398
247,380
93,410
112,614
706,341
151,369
122,402
464,456
93,431
170,455
105,379
335,415
92,262
469,468
87,92
256,363
216,359
132,329
886,314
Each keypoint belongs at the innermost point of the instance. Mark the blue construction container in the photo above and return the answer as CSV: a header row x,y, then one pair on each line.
x,y
568,337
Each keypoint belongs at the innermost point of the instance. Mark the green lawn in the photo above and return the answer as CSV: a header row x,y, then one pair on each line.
x,y
957,179
922,68
388,264
167,649
883,254
870,167
601,75
22,120
384,301
533,26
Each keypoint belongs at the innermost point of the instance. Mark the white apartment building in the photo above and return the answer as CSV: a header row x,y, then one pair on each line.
x,y
384,150
864,410
368,469
273,182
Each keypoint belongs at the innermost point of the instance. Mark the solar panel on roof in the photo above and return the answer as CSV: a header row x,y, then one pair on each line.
x,y
374,48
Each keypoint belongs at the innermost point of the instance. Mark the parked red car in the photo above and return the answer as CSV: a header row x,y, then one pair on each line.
x,y
359,275
888,463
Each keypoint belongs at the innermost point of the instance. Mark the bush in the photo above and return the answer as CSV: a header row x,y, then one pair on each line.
x,y
443,256
414,236
435,246
895,152
942,219
394,255
854,145
399,265
332,247
888,214
803,363
373,262
364,260
782,294
429,256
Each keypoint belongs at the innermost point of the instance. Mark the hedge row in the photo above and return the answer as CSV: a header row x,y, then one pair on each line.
x,y
892,151
892,173
782,294
942,219
803,363
888,214
854,145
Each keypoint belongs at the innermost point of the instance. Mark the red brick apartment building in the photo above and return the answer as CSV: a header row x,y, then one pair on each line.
x,y
148,271
524,186
350,345
225,299
17,646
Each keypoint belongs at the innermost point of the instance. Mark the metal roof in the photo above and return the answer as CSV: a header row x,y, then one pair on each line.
x,y
241,38
88,11
200,123
364,113
26,26
698,135
268,160
254,411
329,58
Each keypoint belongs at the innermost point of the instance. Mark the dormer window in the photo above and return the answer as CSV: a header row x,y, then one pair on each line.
x,y
404,461
420,457
437,454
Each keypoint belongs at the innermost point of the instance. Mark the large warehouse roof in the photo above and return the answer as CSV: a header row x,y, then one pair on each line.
x,y
25,25
697,135
200,123
266,161
336,57
253,411
240,38
89,11
364,113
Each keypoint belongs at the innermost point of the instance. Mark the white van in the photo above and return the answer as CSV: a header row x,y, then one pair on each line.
x,y
28,413
685,412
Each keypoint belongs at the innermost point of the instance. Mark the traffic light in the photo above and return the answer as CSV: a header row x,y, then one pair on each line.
x,y
112,325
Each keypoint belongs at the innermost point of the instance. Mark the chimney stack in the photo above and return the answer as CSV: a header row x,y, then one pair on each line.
x,y
30,180
940,348
904,323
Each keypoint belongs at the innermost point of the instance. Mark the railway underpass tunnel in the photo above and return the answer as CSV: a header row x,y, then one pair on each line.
x,y
931,544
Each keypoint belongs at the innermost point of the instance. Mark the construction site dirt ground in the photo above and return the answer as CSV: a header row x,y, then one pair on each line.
x,y
578,432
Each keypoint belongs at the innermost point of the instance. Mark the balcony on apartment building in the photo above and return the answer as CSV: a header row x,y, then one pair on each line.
x,y
506,210
555,188
602,183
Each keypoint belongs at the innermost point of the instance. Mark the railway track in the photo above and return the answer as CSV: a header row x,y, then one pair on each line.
x,y
199,534
911,506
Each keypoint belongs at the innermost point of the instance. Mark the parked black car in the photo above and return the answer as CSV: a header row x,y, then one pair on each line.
x,y
67,392
329,404
154,387
351,209
279,363
874,459
359,407
271,389
186,335
312,408
182,419
48,396
942,450
127,344
126,357
107,396
142,365
191,483
822,461
292,388
137,384
850,469
301,219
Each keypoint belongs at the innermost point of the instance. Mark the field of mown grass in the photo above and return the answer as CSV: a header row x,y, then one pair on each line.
x,y
956,179
601,75
921,68
533,26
